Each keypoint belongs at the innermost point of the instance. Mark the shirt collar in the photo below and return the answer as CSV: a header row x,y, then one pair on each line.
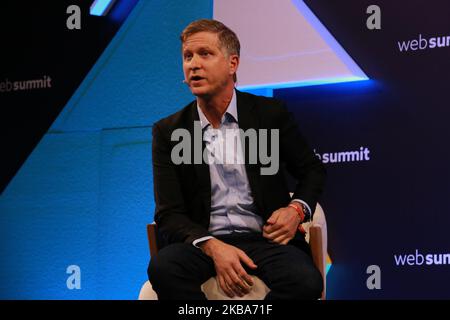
x,y
231,110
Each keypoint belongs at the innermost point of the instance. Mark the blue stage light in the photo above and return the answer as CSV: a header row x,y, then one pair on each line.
x,y
101,7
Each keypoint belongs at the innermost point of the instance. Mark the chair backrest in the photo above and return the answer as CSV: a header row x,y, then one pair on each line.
x,y
316,235
318,220
152,238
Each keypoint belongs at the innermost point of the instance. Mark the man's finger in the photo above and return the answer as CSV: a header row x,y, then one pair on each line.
x,y
239,284
246,259
222,285
275,234
281,239
273,217
232,285
245,277
225,287
269,228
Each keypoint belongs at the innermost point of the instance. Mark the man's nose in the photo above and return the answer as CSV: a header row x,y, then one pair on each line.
x,y
195,62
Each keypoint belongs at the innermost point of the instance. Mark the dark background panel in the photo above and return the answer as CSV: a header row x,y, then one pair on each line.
x,y
36,43
395,203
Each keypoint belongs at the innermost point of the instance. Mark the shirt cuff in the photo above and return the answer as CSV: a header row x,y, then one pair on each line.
x,y
307,207
197,241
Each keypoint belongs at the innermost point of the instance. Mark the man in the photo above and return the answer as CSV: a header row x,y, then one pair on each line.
x,y
229,219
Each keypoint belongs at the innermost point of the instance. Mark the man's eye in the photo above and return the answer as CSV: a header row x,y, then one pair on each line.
x,y
205,54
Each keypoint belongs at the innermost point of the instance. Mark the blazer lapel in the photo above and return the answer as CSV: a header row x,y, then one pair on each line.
x,y
201,169
248,119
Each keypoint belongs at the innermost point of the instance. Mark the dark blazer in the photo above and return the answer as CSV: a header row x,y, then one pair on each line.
x,y
183,192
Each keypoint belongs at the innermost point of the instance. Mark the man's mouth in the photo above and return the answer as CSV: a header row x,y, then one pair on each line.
x,y
196,78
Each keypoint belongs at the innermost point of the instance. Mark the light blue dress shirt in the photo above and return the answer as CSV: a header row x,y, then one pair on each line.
x,y
232,206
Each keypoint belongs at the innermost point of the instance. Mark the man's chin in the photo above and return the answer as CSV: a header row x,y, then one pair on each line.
x,y
200,92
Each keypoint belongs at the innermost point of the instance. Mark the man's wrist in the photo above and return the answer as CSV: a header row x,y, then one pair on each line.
x,y
299,209
305,207
207,246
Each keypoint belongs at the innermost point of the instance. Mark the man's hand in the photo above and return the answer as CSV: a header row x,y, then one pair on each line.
x,y
282,225
232,277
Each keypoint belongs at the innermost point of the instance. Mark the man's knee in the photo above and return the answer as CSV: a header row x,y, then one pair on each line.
x,y
307,284
299,284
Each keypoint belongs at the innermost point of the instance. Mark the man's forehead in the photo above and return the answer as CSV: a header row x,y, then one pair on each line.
x,y
201,39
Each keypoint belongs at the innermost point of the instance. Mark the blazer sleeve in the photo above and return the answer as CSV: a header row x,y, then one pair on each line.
x,y
171,216
300,160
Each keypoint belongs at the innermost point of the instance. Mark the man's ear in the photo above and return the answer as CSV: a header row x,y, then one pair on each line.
x,y
234,63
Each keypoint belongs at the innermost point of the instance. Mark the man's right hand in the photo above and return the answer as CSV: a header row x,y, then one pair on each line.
x,y
232,277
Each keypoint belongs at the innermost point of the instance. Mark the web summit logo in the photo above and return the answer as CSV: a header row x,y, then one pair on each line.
x,y
42,83
363,154
419,259
424,43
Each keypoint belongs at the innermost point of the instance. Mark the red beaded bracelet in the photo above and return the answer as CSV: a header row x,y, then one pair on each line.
x,y
301,214
299,211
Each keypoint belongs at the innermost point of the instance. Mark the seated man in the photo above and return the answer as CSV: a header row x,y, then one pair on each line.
x,y
222,206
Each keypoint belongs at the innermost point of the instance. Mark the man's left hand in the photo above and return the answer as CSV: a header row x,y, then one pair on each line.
x,y
282,225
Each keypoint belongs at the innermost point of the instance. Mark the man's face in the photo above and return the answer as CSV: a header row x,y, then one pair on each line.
x,y
207,68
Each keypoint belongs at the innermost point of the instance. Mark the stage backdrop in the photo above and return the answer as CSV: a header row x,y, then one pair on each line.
x,y
73,217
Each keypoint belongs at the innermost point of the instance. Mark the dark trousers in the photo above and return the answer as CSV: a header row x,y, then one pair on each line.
x,y
179,270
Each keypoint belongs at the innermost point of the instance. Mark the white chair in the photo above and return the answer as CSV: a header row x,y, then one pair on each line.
x,y
316,235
